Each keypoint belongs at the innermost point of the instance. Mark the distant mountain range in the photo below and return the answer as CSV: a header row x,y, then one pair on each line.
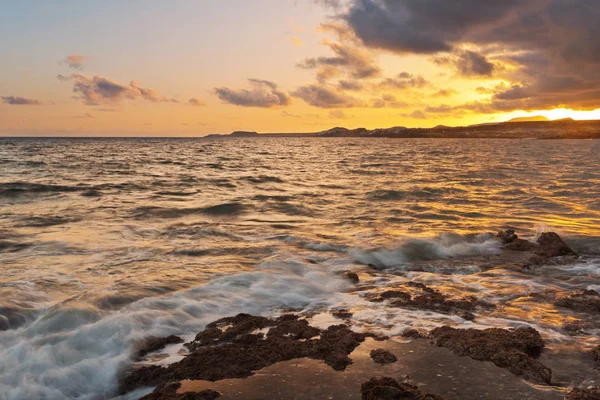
x,y
537,127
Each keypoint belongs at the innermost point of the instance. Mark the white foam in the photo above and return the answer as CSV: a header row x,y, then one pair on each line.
x,y
77,353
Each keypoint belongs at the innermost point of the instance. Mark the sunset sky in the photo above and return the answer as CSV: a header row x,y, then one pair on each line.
x,y
190,68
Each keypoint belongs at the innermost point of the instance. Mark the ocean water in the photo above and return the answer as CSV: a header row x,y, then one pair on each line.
x,y
104,242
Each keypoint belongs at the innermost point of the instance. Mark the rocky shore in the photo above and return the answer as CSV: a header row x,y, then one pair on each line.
x,y
244,350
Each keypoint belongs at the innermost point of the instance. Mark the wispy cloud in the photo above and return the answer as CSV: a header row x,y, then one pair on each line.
x,y
75,61
262,94
20,101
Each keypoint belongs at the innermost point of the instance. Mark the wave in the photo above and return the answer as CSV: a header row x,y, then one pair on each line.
x,y
78,352
414,250
263,179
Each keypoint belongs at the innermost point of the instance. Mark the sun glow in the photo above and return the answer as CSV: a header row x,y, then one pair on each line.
x,y
560,113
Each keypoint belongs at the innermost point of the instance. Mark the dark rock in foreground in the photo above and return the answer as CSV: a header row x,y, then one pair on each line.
x,y
235,348
584,394
582,301
153,344
390,389
515,350
351,276
169,392
596,355
381,356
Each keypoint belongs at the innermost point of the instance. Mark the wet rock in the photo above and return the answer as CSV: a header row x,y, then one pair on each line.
x,y
515,349
414,334
153,344
395,294
389,389
342,314
584,394
551,245
421,286
169,392
507,236
521,245
438,302
381,356
596,355
233,348
582,301
548,245
351,276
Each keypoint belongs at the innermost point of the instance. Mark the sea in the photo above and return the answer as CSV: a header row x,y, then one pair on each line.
x,y
105,242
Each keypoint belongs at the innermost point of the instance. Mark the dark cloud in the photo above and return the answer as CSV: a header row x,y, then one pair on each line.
x,y
263,94
99,90
468,63
548,50
20,101
326,96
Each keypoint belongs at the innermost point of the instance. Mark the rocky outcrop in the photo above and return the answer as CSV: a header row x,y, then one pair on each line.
x,y
514,350
236,347
596,355
351,276
382,356
582,301
432,300
390,389
548,245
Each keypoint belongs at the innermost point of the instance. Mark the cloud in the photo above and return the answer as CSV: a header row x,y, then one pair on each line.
x,y
445,93
405,80
468,63
74,61
99,90
549,49
196,102
350,85
326,96
417,114
20,101
358,62
263,94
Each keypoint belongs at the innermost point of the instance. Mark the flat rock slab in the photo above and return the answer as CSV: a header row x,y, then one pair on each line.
x,y
433,369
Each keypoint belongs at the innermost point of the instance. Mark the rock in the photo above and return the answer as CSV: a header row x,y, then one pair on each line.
x,y
414,334
381,356
232,348
395,294
169,392
551,245
521,245
584,394
515,350
507,236
342,314
153,344
389,389
582,301
596,355
351,276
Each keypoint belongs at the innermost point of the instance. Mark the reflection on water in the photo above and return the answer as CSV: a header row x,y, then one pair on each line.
x,y
103,242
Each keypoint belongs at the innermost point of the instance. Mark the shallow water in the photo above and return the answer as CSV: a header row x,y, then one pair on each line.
x,y
107,241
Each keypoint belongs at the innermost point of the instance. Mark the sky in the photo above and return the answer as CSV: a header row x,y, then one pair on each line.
x,y
197,67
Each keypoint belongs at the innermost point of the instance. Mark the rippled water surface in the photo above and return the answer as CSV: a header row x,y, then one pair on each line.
x,y
105,242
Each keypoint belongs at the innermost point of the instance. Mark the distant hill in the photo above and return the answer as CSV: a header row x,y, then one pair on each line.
x,y
537,118
440,127
243,134
564,120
